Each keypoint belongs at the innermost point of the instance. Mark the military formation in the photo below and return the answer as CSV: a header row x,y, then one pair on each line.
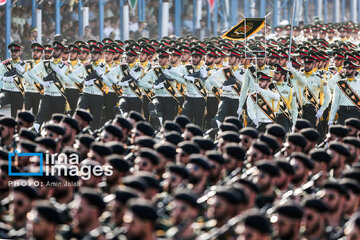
x,y
207,139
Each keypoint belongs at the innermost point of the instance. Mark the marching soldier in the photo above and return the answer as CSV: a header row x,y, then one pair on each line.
x,y
32,89
93,76
229,79
145,54
52,75
261,103
287,110
346,95
48,51
11,73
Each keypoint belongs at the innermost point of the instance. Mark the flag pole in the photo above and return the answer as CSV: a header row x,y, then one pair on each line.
x,y
292,25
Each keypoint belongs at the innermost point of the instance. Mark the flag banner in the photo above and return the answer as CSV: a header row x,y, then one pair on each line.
x,y
132,4
253,25
211,4
2,2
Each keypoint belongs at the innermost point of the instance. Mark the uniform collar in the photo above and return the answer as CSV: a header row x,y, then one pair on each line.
x,y
96,62
82,62
15,60
56,60
117,62
197,67
175,65
132,64
144,64
37,61
307,74
73,63
110,64
185,63
246,66
165,67
219,65
261,68
279,83
235,68
339,68
350,79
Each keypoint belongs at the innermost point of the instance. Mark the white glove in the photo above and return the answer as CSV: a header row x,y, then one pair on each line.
x,y
239,112
166,71
20,69
123,84
289,66
227,88
158,86
99,71
46,84
257,88
331,122
203,72
238,76
8,79
135,74
256,122
189,78
319,114
89,82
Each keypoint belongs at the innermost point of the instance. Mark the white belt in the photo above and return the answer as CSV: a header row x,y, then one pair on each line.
x,y
53,94
264,120
31,91
72,87
195,96
129,95
231,97
93,93
11,89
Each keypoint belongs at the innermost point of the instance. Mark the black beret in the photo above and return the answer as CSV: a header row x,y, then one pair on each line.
x,y
240,192
189,147
173,137
118,163
258,222
58,117
93,198
27,190
46,141
26,116
28,134
215,156
188,197
291,211
302,123
143,209
340,148
194,129
230,136
268,167
354,173
56,128
339,130
235,151
116,147
150,179
249,131
123,122
84,115
149,154
172,126
182,120
136,116
285,166
101,149
353,122
48,212
352,141
250,184
234,120
203,143
228,194
225,126
276,130
180,170
310,134
114,130
145,141
123,194
8,121
86,140
72,123
4,154
271,141
351,184
316,204
330,184
297,139
199,160
262,147
166,149
145,128
135,182
302,157
320,155
28,145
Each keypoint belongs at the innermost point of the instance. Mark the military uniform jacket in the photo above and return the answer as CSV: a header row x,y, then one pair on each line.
x,y
316,86
10,86
339,97
115,76
149,79
72,66
29,83
298,82
181,71
38,73
288,94
249,82
109,68
254,111
80,74
218,79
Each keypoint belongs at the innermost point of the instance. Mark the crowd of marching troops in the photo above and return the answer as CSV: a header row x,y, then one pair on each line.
x,y
207,139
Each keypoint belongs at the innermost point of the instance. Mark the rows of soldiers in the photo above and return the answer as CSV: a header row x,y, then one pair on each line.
x,y
210,139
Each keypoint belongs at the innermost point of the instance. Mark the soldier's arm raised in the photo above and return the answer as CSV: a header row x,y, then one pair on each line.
x,y
76,73
39,68
335,104
146,82
244,89
327,95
